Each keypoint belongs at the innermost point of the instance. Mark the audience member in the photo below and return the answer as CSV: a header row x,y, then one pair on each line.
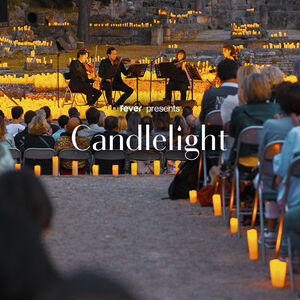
x,y
274,76
73,112
132,124
17,116
62,121
5,138
49,118
122,124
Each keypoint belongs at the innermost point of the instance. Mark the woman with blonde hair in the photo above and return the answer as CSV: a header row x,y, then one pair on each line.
x,y
274,76
38,137
122,124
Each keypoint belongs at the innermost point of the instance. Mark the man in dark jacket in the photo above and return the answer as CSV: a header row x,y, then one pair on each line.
x,y
115,83
79,79
214,97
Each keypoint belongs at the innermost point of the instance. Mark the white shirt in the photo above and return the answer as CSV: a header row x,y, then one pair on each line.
x,y
14,129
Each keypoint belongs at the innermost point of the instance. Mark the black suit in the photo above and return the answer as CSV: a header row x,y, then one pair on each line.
x,y
118,83
81,83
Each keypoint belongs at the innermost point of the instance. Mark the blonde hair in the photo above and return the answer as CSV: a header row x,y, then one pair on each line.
x,y
122,123
273,74
38,125
256,88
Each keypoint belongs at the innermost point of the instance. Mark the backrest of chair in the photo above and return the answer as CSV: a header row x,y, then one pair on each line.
x,y
110,155
250,135
144,155
214,118
39,153
175,155
74,154
15,153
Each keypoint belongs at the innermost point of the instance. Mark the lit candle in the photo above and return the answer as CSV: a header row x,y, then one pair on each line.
x,y
115,170
252,244
277,272
95,170
55,165
75,168
156,167
233,225
217,205
177,163
18,167
134,169
37,170
193,196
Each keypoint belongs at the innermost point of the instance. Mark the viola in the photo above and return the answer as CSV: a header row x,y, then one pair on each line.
x,y
90,69
120,60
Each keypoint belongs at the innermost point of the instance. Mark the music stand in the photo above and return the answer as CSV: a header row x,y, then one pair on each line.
x,y
194,75
137,71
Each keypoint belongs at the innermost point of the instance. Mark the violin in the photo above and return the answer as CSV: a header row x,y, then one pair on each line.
x,y
120,60
92,73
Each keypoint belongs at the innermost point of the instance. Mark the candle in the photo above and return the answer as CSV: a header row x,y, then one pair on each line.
x,y
156,167
18,167
75,168
252,244
277,272
233,225
115,170
55,165
95,170
37,170
193,196
177,163
217,205
134,169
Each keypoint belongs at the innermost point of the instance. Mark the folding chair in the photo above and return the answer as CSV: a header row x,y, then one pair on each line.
x,y
77,155
294,170
72,95
265,169
115,155
212,119
251,137
16,154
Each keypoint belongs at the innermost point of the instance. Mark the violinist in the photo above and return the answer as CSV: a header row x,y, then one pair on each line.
x,y
80,82
182,81
116,83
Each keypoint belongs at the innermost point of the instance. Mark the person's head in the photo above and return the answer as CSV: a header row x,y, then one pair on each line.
x,y
38,125
72,124
181,55
24,194
242,73
256,88
230,52
111,123
112,53
146,121
63,121
187,110
17,113
41,113
133,122
29,116
288,97
88,286
273,74
26,270
82,55
73,112
92,115
161,121
128,115
297,69
227,70
180,126
101,118
48,113
122,123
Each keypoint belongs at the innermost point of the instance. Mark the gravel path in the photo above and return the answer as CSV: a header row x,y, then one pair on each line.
x,y
162,249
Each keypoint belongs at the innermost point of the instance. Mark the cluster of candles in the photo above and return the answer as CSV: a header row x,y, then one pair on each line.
x,y
277,268
26,43
173,46
22,28
128,24
246,29
3,65
250,9
279,34
282,45
256,65
59,24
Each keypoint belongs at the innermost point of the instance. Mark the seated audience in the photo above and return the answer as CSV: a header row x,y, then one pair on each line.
x,y
49,118
20,137
38,137
17,116
122,124
73,113
93,117
5,138
133,121
65,142
62,121
274,76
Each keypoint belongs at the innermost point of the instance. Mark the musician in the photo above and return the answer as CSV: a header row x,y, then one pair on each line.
x,y
116,83
182,82
79,78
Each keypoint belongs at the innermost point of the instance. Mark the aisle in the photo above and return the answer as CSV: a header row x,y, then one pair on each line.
x,y
164,250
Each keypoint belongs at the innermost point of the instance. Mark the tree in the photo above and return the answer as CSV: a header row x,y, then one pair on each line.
x,y
83,20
